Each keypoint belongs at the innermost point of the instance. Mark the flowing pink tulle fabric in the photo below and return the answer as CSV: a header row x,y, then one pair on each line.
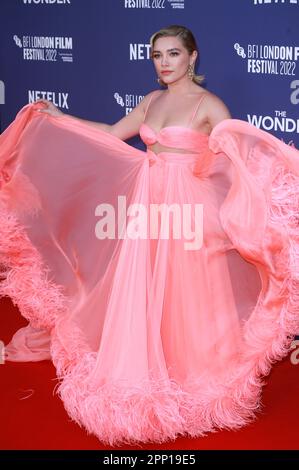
x,y
150,340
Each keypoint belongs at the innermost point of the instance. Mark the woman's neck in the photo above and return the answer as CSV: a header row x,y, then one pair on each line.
x,y
181,87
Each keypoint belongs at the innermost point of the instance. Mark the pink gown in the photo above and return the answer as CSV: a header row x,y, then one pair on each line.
x,y
151,340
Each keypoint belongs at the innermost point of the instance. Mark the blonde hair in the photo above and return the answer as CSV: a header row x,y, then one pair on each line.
x,y
188,41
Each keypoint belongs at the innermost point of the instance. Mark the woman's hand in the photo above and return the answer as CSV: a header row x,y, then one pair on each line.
x,y
50,108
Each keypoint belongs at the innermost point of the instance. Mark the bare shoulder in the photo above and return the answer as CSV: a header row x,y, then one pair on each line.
x,y
214,103
215,109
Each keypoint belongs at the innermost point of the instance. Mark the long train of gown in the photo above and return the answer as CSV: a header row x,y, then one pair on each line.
x,y
150,340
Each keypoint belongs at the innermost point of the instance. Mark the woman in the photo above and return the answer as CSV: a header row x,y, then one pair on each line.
x,y
154,334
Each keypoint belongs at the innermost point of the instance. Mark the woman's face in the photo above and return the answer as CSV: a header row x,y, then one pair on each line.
x,y
169,55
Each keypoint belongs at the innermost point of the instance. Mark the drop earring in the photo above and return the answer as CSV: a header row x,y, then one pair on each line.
x,y
191,71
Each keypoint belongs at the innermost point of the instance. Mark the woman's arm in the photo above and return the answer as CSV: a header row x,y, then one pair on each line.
x,y
125,128
129,125
216,110
51,109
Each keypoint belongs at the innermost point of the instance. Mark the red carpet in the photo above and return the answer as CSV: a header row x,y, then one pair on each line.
x,y
33,417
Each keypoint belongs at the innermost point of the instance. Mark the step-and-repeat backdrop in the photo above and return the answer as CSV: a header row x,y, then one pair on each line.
x,y
92,57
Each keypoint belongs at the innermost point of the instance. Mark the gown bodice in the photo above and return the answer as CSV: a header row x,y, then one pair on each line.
x,y
192,142
177,137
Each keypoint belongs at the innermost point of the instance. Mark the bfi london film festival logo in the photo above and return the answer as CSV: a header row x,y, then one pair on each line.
x,y
60,99
45,48
141,222
155,4
269,59
128,101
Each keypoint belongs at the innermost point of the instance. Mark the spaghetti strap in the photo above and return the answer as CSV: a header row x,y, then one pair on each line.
x,y
196,108
154,93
